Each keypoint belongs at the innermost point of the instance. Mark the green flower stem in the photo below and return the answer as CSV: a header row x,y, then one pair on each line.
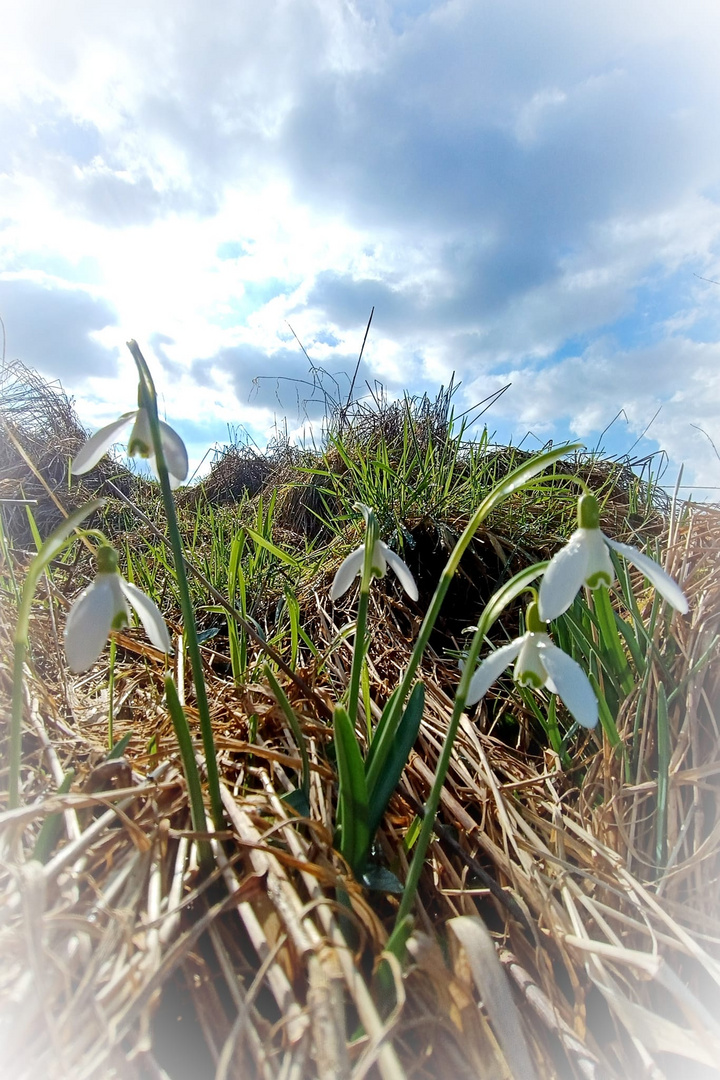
x,y
518,584
16,722
192,776
149,402
360,646
111,695
515,480
54,544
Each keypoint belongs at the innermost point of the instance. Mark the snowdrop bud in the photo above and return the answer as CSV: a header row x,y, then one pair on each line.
x,y
588,512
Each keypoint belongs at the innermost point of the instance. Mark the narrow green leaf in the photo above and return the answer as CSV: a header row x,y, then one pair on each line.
x,y
613,656
190,768
33,528
47,838
120,747
56,541
387,713
352,793
272,548
412,834
519,477
632,642
663,772
293,608
606,717
379,795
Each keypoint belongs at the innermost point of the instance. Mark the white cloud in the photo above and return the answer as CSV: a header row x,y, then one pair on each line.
x,y
517,189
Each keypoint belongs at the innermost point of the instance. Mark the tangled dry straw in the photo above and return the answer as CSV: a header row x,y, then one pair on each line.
x,y
547,943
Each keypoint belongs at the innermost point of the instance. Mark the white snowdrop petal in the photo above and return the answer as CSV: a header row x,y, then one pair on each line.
x,y
347,572
571,683
88,623
659,578
529,669
149,615
491,669
99,444
599,569
140,441
379,560
564,576
176,457
401,570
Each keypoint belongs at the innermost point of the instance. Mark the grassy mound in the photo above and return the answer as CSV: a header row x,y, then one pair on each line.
x,y
568,919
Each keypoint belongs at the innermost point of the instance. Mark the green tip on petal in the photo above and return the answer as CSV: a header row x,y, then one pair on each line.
x,y
600,577
588,512
530,678
136,447
106,558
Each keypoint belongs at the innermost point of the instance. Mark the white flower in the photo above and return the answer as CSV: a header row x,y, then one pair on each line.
x,y
140,442
585,560
103,607
383,557
539,663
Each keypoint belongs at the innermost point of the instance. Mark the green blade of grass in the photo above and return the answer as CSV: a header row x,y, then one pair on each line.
x,y
283,702
47,838
612,654
663,772
268,545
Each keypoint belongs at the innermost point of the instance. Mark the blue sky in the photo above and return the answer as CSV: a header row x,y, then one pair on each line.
x,y
526,193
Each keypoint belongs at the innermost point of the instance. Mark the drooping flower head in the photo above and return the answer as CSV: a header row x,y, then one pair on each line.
x,y
102,607
585,560
539,663
382,557
140,443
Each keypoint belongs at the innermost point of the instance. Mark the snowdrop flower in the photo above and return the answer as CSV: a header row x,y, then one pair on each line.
x,y
140,442
539,663
383,557
103,607
585,560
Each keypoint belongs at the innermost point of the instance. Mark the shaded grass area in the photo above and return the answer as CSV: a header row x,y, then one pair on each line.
x,y
594,868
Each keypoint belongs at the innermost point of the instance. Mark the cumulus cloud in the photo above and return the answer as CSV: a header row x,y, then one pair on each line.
x,y
281,381
520,191
673,386
51,329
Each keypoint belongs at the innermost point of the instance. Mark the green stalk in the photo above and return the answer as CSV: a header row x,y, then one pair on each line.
x,y
52,546
663,773
518,478
494,607
192,777
149,401
360,645
16,721
111,695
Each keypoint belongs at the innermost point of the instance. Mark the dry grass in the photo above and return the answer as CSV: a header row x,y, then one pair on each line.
x,y
546,942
